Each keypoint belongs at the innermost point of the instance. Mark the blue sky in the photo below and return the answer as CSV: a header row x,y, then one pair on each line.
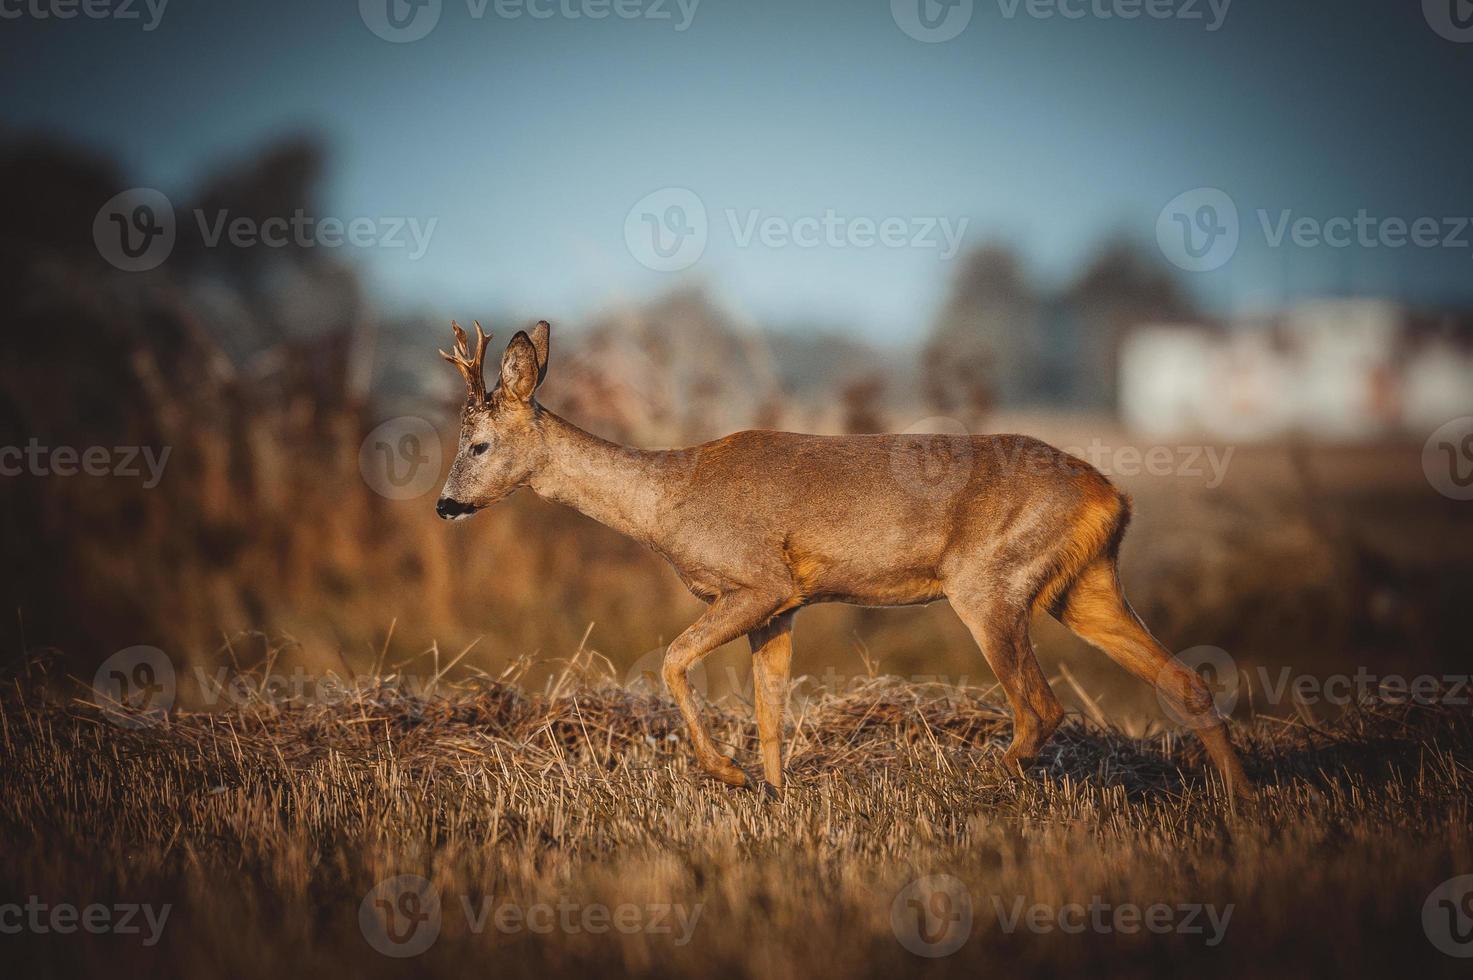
x,y
529,140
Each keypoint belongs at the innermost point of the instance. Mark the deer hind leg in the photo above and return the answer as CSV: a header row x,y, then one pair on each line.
x,y
727,618
1001,630
1096,609
772,657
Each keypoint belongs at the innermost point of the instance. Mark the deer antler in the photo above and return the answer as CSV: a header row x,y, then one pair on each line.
x,y
469,365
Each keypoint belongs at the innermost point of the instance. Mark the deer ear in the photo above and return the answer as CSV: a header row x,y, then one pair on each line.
x,y
519,368
541,337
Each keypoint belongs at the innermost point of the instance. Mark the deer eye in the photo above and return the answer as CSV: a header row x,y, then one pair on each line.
x,y
480,448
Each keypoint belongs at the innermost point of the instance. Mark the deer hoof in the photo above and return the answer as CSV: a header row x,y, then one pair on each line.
x,y
1243,791
771,793
1016,764
727,773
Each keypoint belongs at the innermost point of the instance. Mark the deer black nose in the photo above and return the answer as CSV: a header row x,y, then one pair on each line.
x,y
450,508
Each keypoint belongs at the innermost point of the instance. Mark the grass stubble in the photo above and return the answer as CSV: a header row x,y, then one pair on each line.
x,y
264,826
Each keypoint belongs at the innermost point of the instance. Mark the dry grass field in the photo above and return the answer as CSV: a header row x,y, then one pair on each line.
x,y
564,831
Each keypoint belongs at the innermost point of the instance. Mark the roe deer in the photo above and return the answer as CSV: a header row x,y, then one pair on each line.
x,y
761,523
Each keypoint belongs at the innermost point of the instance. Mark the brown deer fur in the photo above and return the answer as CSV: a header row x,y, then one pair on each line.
x,y
760,523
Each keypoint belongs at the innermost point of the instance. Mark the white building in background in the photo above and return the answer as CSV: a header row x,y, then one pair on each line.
x,y
1184,378
1165,372
1437,379
1333,370
1344,362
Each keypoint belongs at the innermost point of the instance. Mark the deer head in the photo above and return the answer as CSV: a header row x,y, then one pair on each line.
x,y
501,444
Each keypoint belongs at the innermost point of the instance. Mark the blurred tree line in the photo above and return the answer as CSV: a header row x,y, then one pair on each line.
x,y
262,369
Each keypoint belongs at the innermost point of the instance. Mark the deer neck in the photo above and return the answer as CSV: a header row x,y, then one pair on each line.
x,y
618,486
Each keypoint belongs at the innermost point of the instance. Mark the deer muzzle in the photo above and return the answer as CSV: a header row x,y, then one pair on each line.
x,y
453,510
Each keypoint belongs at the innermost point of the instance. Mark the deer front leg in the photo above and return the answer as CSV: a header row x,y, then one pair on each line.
x,y
772,656
727,618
